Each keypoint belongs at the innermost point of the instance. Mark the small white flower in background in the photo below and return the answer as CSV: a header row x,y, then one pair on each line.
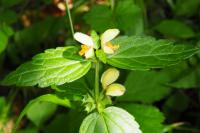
x,y
108,78
106,37
87,47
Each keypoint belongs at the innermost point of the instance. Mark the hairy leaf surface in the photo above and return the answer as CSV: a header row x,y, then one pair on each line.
x,y
49,68
143,53
111,120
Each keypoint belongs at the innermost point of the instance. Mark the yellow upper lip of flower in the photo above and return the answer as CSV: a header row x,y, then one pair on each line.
x,y
84,49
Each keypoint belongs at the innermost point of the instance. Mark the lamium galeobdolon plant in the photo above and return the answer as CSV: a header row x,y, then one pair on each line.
x,y
62,67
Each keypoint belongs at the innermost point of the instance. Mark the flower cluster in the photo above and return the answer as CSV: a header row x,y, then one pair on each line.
x,y
87,47
108,78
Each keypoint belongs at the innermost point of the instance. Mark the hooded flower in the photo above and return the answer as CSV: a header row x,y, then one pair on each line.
x,y
87,47
108,78
106,37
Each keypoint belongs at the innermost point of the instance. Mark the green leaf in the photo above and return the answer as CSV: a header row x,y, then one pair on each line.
x,y
186,7
10,3
46,109
99,18
28,130
71,53
190,78
66,123
175,28
74,91
179,99
42,32
8,16
95,38
129,17
48,68
143,53
154,88
44,98
101,55
149,117
5,33
111,120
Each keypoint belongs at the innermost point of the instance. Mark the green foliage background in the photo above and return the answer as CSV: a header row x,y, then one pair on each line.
x,y
161,100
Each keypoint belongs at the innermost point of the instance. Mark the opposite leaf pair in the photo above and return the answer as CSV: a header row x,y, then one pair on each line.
x,y
87,49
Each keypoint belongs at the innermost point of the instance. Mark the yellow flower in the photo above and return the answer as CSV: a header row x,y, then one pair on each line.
x,y
108,78
106,37
115,90
87,47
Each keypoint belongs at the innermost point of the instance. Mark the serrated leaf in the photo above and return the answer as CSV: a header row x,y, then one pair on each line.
x,y
116,18
143,53
149,117
111,120
175,28
48,68
52,98
153,90
46,109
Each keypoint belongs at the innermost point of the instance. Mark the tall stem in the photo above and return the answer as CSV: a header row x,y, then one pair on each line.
x,y
70,18
11,96
112,3
97,80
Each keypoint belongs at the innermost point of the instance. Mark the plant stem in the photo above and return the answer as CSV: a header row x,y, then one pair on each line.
x,y
97,80
6,110
112,3
70,18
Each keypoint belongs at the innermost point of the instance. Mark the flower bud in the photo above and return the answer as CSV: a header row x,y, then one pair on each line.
x,y
109,76
115,90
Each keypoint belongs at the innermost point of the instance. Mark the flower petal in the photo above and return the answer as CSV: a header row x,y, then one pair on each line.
x,y
89,53
108,35
83,38
109,76
115,90
107,49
